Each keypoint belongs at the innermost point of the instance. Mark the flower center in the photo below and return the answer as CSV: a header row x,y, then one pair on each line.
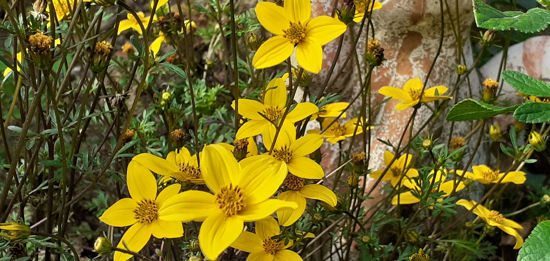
x,y
396,171
272,246
338,129
296,33
273,114
230,200
490,175
415,93
495,217
187,172
293,183
147,211
360,6
283,154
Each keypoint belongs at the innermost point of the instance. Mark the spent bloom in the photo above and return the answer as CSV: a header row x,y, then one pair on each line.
x,y
144,211
293,28
495,219
410,94
240,193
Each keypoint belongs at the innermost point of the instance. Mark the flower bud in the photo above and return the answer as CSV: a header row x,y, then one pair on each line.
x,y
546,198
100,56
359,158
494,132
190,25
177,135
537,141
346,14
127,135
427,143
14,231
461,69
128,48
318,217
166,96
489,90
488,37
457,143
195,258
194,245
420,256
519,126
366,239
253,41
353,180
375,53
411,236
40,45
103,245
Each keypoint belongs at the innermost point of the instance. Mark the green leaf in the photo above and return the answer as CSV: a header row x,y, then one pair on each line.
x,y
526,84
488,17
537,244
469,110
533,112
175,69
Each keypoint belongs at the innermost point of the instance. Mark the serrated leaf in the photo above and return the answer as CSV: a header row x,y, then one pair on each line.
x,y
533,112
537,244
488,17
526,84
469,109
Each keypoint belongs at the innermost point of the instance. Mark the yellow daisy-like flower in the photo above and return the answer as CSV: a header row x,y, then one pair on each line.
x,y
397,169
179,164
293,28
155,45
361,7
241,193
64,7
444,186
297,192
495,219
262,246
293,153
410,94
131,22
332,110
336,132
143,211
486,175
262,117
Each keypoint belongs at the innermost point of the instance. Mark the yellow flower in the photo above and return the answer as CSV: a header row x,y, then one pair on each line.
x,y
178,164
361,7
337,132
262,246
143,211
537,141
293,153
19,61
444,186
262,116
486,175
410,94
241,193
297,192
155,45
14,230
63,9
495,219
397,169
131,22
494,132
332,110
293,28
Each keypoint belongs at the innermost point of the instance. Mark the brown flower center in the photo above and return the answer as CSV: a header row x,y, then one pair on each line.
x,y
396,171
495,217
337,129
415,93
272,246
230,200
490,175
293,183
296,32
283,154
273,114
187,172
147,211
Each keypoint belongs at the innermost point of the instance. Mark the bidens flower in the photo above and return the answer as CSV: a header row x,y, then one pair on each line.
x,y
240,194
293,28
143,212
495,219
400,167
486,175
410,94
361,8
131,22
440,185
334,132
179,164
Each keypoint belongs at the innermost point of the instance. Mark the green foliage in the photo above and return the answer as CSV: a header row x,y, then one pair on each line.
x,y
533,112
526,84
488,17
536,246
470,109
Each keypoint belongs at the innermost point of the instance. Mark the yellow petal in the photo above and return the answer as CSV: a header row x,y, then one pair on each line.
x,y
160,3
134,239
217,233
252,128
320,192
183,154
267,228
248,242
395,93
250,109
516,177
306,145
333,109
261,176
272,17
191,205
167,229
264,209
275,92
252,147
301,111
272,52
298,10
124,25
155,45
156,164
358,15
260,256
219,167
324,29
167,193
288,216
141,182
310,55
514,233
287,255
469,204
287,135
404,198
388,157
413,84
120,214
406,105
376,174
305,168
